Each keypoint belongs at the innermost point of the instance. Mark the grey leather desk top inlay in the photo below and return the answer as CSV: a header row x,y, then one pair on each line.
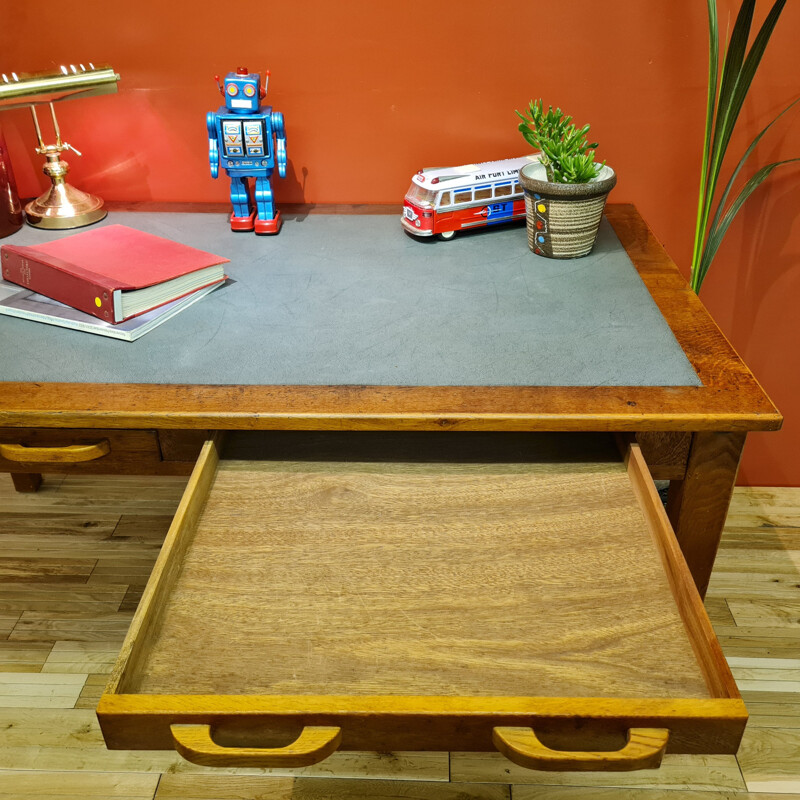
x,y
348,299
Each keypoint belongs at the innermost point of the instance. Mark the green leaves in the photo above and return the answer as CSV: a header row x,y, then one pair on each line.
x,y
566,155
726,95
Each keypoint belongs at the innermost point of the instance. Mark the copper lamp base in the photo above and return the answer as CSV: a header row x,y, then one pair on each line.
x,y
64,207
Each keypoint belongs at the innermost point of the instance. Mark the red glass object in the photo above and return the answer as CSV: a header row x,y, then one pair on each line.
x,y
10,208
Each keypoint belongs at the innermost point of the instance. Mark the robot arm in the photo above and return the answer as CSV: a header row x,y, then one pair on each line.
x,y
280,144
213,147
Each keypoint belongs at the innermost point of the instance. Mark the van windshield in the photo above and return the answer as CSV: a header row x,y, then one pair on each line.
x,y
416,194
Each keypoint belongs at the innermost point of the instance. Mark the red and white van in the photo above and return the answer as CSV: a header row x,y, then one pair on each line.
x,y
445,200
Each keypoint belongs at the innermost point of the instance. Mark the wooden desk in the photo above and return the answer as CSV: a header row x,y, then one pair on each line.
x,y
692,435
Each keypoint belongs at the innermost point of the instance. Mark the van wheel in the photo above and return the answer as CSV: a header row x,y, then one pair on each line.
x,y
447,235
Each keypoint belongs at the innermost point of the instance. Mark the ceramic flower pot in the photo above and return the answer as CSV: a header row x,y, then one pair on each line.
x,y
563,218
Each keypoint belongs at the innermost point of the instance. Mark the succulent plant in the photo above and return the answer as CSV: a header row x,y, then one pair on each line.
x,y
565,153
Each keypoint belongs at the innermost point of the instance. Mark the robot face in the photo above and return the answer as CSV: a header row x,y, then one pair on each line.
x,y
242,92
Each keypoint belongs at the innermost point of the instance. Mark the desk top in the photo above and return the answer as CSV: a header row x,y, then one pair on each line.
x,y
354,300
345,321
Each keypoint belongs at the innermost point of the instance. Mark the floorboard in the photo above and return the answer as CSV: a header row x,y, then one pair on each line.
x,y
77,554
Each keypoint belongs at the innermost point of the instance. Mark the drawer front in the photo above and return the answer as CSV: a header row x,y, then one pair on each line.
x,y
93,451
424,593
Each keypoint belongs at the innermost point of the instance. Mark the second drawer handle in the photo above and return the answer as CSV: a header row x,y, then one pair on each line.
x,y
71,454
196,744
644,750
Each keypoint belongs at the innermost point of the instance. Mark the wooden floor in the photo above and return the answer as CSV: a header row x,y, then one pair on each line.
x,y
75,557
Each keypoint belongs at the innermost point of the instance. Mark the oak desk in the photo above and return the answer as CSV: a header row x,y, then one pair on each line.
x,y
692,433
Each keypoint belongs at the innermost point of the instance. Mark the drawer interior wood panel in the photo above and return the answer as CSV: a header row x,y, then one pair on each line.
x,y
337,578
420,590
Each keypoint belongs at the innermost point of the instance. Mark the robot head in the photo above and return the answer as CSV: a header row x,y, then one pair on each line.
x,y
242,91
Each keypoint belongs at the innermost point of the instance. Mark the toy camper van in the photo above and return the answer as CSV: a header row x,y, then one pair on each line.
x,y
445,200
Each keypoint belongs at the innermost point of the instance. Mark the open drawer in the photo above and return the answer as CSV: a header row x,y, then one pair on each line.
x,y
446,591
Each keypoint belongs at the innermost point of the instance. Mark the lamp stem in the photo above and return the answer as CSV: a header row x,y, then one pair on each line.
x,y
36,125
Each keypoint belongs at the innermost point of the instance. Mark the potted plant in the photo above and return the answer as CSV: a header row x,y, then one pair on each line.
x,y
728,86
566,191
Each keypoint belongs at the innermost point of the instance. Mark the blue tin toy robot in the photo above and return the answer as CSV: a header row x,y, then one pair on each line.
x,y
241,133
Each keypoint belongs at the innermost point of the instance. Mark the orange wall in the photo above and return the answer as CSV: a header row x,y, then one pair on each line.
x,y
372,91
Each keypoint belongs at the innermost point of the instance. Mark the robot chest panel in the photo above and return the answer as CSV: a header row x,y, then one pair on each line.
x,y
244,137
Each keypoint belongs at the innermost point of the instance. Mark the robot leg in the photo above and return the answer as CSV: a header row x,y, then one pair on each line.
x,y
242,217
269,221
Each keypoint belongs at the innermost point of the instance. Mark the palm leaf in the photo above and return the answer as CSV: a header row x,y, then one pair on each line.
x,y
738,73
726,95
713,70
732,65
741,85
726,192
718,234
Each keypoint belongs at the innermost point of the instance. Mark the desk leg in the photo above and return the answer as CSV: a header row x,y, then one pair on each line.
x,y
697,505
26,481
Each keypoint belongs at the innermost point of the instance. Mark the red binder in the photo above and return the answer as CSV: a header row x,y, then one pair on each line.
x,y
113,272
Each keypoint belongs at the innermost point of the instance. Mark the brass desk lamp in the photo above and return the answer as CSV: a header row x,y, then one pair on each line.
x,y
62,206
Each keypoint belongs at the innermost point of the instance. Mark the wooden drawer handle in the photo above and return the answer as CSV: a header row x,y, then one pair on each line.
x,y
71,454
195,744
644,750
